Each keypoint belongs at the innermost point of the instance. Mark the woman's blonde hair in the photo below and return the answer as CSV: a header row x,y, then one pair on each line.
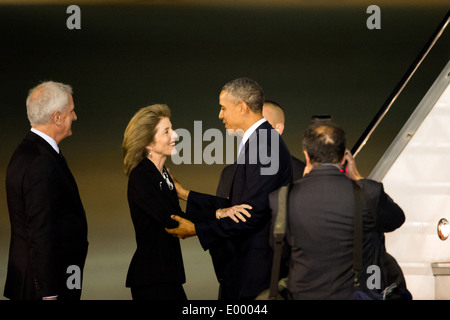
x,y
139,133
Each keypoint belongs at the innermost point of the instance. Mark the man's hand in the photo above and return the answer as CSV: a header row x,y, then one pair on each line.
x,y
184,230
352,172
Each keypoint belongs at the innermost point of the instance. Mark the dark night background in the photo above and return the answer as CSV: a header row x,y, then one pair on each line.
x,y
311,59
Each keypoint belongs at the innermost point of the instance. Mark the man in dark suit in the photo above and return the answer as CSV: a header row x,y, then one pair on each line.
x,y
249,255
48,225
320,218
274,114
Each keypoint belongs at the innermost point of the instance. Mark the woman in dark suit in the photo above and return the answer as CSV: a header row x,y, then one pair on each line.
x,y
156,270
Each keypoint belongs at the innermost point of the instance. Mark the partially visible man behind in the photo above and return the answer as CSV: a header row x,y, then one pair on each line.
x,y
274,113
48,222
321,220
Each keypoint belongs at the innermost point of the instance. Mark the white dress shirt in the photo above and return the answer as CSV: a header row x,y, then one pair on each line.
x,y
249,132
47,138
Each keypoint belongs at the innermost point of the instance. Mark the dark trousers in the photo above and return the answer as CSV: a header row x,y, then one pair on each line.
x,y
160,291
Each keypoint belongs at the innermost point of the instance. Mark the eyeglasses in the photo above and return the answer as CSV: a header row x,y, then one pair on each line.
x,y
169,183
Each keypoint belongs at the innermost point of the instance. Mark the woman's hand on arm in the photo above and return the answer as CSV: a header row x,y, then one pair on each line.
x,y
235,212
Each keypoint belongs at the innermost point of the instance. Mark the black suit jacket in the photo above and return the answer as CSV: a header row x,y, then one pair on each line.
x,y
298,166
249,255
218,252
227,175
158,256
320,231
48,223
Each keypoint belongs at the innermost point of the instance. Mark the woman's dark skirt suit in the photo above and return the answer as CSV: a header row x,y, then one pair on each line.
x,y
156,270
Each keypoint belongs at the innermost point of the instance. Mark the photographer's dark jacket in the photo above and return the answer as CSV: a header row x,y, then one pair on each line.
x,y
320,231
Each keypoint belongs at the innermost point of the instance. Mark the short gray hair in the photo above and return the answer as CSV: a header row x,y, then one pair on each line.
x,y
247,90
46,98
